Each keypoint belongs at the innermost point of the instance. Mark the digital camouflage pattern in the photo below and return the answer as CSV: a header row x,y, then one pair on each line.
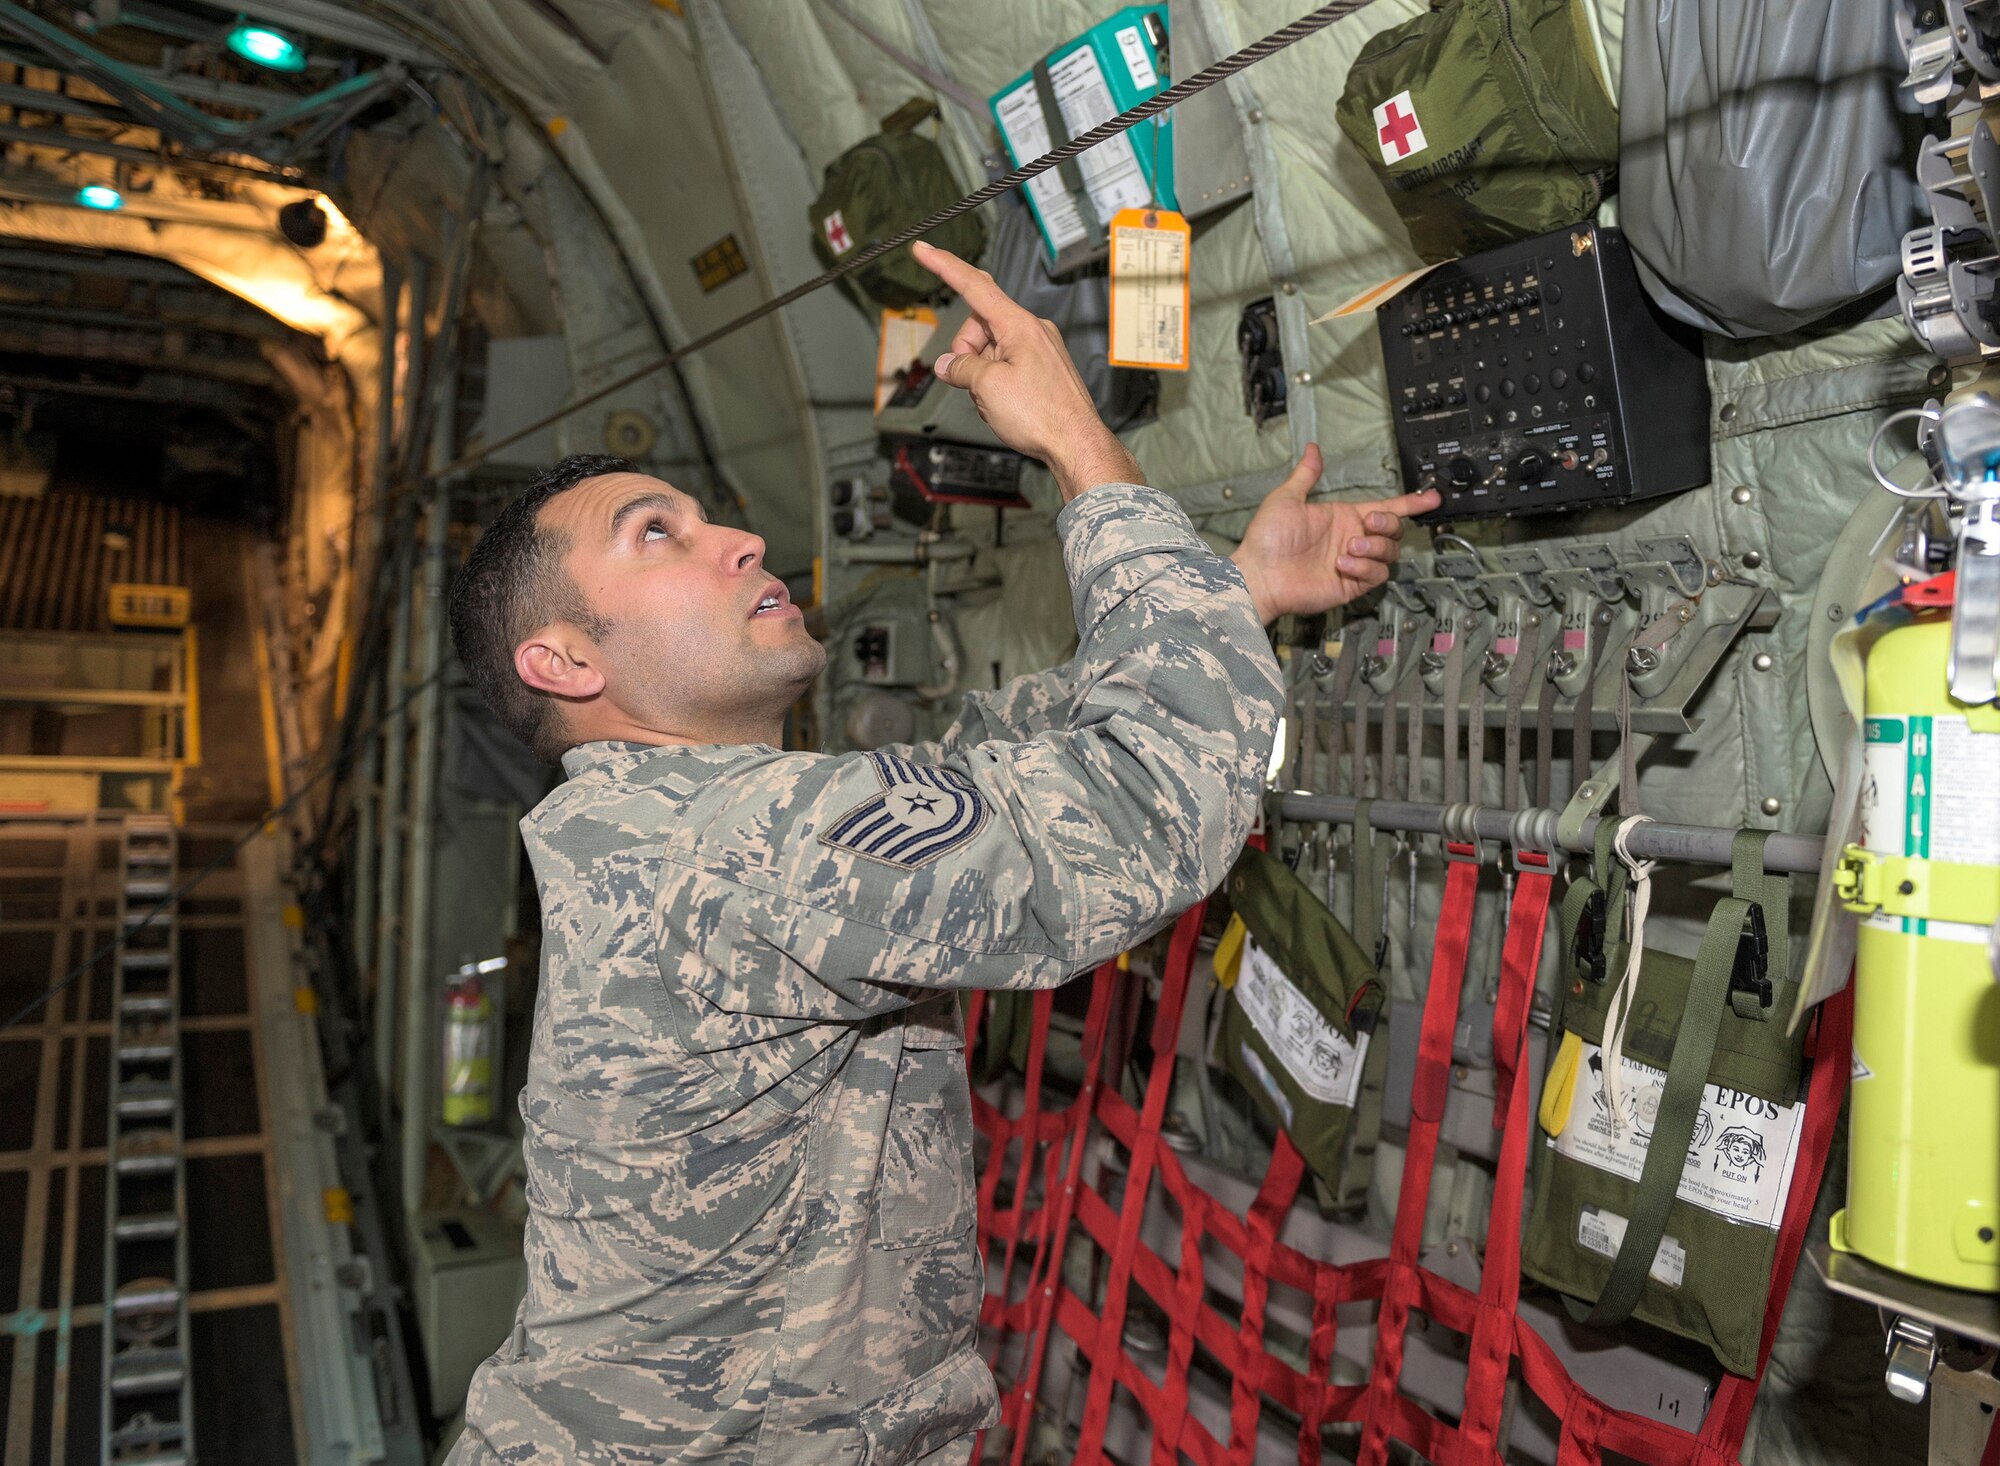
x,y
749,1136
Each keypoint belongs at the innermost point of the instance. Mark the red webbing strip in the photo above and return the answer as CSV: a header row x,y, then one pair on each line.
x,y
1492,1348
1991,1455
1018,1413
1521,954
1105,1348
1267,1218
1381,1414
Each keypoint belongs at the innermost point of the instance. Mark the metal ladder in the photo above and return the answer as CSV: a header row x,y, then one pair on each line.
x,y
148,1401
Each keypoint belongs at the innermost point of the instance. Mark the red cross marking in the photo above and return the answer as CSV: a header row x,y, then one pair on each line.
x,y
1396,129
836,233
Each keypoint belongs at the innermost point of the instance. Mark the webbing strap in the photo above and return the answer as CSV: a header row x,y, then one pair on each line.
x,y
1357,782
1427,1101
1104,1348
1343,680
1070,171
1450,684
1628,754
1522,953
1370,884
1385,782
1305,774
1580,760
1545,745
1520,674
1414,741
1475,741
1492,1346
1673,1129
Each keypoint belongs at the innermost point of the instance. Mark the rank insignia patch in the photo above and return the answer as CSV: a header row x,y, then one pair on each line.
x,y
921,813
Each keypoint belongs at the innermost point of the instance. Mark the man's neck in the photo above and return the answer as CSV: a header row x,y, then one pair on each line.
x,y
619,728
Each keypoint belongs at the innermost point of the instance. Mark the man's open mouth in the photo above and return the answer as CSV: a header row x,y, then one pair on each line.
x,y
775,601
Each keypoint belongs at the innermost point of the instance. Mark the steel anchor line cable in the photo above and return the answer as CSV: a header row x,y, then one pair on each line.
x,y
1201,81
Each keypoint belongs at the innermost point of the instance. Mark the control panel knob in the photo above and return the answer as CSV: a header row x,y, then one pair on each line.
x,y
1462,472
1530,466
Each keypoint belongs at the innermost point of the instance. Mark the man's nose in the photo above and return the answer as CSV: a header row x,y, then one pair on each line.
x,y
745,551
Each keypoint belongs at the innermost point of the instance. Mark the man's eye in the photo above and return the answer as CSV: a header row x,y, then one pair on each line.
x,y
654,528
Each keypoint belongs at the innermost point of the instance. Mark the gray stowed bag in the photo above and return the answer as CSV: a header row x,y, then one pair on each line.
x,y
1766,173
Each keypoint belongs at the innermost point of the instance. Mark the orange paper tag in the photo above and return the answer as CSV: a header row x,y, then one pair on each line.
x,y
902,337
1151,250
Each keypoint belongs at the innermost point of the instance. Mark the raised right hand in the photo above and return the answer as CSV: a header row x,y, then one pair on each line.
x,y
1023,382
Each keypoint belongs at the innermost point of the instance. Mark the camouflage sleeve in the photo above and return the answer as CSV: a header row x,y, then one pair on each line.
x,y
826,888
1025,707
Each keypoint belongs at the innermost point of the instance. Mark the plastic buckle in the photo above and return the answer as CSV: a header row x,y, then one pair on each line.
x,y
1751,973
1587,941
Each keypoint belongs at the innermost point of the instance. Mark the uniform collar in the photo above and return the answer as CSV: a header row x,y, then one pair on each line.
x,y
613,753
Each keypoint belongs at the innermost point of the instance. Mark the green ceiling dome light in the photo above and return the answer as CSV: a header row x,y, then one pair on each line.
x,y
100,196
266,46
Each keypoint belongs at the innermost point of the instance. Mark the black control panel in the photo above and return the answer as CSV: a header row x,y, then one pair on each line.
x,y
1539,376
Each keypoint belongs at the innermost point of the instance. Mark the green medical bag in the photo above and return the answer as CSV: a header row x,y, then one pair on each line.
x,y
1710,1079
880,187
1486,120
1297,1021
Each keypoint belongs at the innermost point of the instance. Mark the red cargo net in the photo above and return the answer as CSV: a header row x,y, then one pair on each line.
x,y
1039,1156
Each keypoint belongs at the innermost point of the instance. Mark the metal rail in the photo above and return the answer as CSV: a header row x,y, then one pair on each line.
x,y
1785,853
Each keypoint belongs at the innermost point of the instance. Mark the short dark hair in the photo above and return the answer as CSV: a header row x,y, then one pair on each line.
x,y
511,583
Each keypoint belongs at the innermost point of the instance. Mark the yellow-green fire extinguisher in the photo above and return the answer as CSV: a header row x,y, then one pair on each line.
x,y
1923,1187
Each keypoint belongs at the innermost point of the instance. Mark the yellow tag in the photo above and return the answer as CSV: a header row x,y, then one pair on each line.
x,y
1229,951
902,337
1150,254
338,1204
294,917
305,1000
1559,1090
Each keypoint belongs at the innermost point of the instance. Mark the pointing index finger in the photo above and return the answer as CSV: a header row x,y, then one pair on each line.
x,y
1404,506
973,284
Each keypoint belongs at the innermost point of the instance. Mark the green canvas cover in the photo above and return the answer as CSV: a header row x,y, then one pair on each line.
x,y
1486,120
880,187
1297,1023
1710,1224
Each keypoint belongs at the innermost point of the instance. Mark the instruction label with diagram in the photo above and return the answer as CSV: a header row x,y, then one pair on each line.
x,y
1931,788
1740,1157
1318,1059
1111,173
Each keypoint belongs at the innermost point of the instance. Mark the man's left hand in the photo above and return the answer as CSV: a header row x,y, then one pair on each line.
x,y
1301,558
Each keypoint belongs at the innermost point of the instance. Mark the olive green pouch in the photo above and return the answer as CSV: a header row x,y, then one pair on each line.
x,y
1711,1078
1486,120
1296,1023
880,187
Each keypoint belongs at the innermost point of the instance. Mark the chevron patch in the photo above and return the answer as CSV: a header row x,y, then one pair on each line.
x,y
921,813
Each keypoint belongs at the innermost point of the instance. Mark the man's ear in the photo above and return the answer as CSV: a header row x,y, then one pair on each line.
x,y
558,659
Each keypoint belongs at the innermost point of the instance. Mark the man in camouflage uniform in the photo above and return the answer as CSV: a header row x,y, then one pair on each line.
x,y
749,1141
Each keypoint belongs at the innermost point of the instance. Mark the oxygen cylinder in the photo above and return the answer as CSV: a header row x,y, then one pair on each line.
x,y
468,1054
1923,1185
